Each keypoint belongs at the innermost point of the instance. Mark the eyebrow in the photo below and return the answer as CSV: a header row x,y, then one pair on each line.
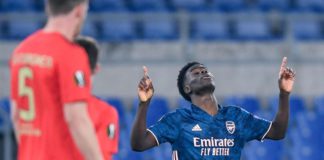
x,y
198,67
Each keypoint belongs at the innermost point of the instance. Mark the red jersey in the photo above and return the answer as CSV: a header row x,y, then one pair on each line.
x,y
105,120
47,71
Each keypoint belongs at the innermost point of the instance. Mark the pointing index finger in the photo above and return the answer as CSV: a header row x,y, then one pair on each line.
x,y
283,66
145,70
283,63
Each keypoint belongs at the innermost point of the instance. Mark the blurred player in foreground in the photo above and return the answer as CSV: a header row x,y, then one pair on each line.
x,y
208,130
50,88
103,115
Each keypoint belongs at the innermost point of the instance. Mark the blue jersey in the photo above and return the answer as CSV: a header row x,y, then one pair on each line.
x,y
196,135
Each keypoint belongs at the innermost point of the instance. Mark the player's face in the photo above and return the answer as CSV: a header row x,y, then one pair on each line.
x,y
200,80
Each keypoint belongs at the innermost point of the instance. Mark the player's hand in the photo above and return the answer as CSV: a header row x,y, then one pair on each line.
x,y
145,87
286,77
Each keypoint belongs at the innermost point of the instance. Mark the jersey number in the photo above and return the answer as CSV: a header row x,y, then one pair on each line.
x,y
24,90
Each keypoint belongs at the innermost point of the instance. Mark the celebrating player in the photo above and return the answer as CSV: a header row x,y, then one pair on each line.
x,y
50,89
208,130
104,116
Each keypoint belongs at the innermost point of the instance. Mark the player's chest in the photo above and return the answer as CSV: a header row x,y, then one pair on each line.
x,y
209,139
214,133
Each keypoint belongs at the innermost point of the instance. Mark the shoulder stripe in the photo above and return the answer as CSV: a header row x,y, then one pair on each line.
x,y
266,132
157,141
175,155
172,155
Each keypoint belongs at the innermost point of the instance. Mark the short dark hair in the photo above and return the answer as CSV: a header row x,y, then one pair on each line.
x,y
59,7
91,47
181,79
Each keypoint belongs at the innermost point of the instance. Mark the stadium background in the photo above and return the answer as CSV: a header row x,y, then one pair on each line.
x,y
241,41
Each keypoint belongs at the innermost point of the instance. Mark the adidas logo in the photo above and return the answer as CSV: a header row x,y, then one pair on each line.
x,y
196,128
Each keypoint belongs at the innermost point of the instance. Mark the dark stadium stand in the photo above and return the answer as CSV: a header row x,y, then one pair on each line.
x,y
5,111
256,29
318,105
90,28
268,150
191,5
158,107
2,30
118,30
167,29
227,5
232,100
310,5
201,28
210,29
108,5
148,5
25,28
250,103
163,28
307,29
297,105
267,5
306,137
174,5
18,5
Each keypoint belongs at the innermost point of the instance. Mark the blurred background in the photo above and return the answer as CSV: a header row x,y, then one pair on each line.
x,y
242,42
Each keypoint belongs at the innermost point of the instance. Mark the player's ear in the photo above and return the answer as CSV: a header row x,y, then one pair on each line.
x,y
80,10
186,86
187,89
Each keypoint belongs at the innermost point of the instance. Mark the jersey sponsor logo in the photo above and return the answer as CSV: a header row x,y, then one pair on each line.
x,y
230,126
213,142
196,128
111,130
213,146
79,78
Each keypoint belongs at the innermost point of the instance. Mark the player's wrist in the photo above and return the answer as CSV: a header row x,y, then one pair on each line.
x,y
144,102
284,93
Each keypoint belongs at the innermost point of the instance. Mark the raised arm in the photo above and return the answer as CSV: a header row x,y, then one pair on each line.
x,y
286,83
141,139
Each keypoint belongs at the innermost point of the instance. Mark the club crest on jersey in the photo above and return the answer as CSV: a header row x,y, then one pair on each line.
x,y
230,126
111,130
79,78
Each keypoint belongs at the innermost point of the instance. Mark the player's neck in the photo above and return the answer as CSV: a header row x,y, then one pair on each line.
x,y
61,25
207,102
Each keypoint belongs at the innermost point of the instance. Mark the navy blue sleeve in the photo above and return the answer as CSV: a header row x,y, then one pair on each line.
x,y
166,129
253,127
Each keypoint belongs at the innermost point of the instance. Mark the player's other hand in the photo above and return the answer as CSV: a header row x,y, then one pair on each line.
x,y
286,77
145,87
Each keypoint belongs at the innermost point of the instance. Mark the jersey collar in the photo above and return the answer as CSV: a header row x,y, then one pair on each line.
x,y
200,114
